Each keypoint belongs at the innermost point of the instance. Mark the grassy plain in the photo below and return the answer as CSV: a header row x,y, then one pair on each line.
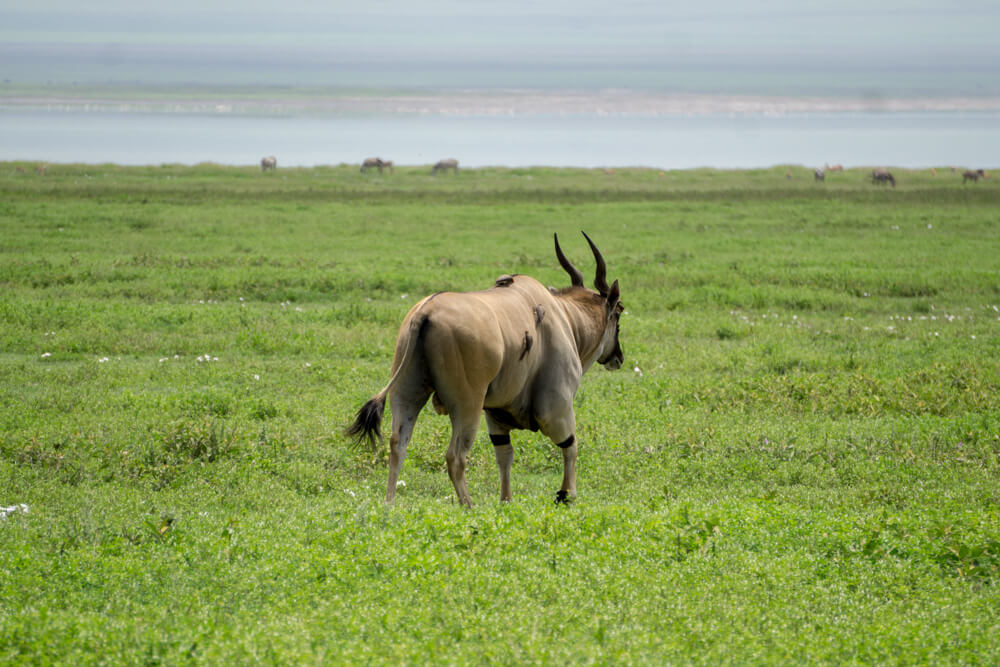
x,y
800,461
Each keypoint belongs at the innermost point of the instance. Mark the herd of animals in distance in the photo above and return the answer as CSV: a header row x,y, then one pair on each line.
x,y
880,176
270,163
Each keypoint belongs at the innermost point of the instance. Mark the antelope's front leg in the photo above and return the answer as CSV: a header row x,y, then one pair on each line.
x,y
505,458
568,490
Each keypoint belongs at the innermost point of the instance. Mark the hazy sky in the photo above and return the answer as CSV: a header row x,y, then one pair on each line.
x,y
501,43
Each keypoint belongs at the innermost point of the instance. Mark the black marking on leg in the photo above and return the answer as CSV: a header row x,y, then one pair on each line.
x,y
500,440
562,498
568,442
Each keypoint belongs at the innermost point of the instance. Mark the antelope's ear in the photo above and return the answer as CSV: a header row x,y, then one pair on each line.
x,y
614,296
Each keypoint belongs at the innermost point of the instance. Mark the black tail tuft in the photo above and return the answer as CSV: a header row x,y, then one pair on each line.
x,y
367,425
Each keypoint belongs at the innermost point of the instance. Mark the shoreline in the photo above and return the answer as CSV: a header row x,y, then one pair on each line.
x,y
480,103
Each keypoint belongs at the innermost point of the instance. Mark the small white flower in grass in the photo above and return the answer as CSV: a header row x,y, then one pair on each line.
x,y
11,509
403,296
973,336
162,359
349,492
400,484
46,355
638,370
256,377
103,360
308,365
930,226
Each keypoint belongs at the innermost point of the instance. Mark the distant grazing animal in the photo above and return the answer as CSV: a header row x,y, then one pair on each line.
x,y
42,169
269,163
836,168
20,170
516,351
933,171
819,174
788,175
444,165
974,176
376,163
881,176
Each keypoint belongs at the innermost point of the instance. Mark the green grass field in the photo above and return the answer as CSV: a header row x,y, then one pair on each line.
x,y
798,463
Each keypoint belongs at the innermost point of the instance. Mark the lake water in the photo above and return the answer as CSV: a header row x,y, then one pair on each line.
x,y
666,141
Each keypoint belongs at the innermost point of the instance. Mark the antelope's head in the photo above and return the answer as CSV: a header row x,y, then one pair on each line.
x,y
607,305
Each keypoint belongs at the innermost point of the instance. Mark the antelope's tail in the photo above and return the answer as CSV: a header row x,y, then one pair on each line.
x,y
367,423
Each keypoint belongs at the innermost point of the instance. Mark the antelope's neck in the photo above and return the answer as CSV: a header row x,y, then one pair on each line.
x,y
587,324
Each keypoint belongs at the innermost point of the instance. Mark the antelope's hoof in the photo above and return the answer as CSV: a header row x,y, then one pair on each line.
x,y
563,498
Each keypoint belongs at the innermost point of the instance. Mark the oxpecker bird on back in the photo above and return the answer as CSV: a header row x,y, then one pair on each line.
x,y
516,351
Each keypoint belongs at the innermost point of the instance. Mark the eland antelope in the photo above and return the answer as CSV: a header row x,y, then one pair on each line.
x,y
516,351
269,163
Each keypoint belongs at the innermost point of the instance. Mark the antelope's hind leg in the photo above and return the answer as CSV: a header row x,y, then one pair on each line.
x,y
464,425
405,410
